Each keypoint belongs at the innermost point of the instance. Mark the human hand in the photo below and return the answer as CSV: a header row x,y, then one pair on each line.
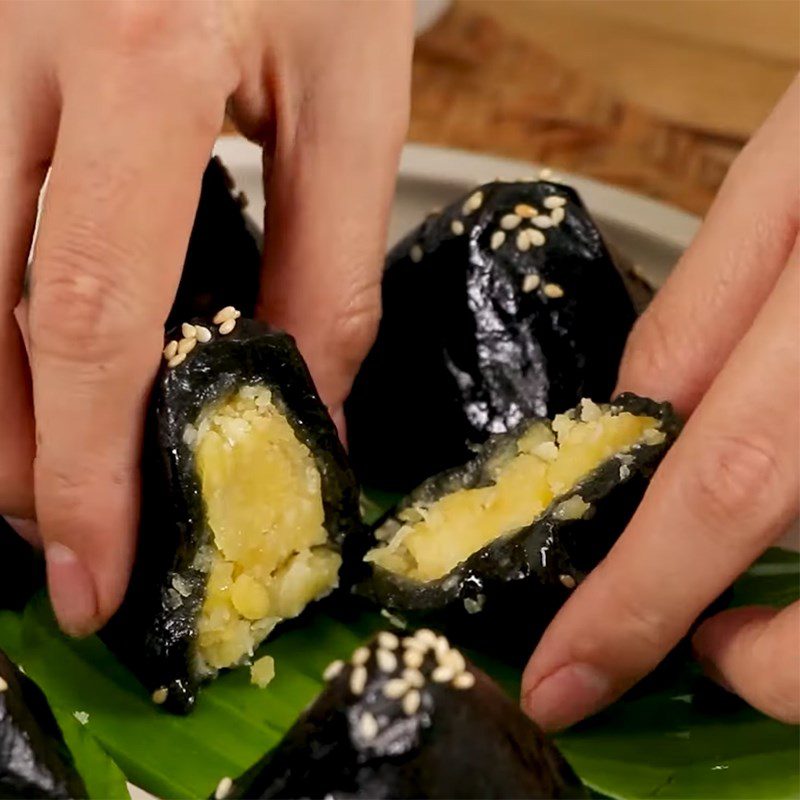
x,y
722,342
124,100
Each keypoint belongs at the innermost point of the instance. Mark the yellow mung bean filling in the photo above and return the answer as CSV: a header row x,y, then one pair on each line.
x,y
433,539
269,555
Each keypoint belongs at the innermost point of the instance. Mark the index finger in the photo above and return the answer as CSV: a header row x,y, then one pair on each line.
x,y
722,495
680,343
119,208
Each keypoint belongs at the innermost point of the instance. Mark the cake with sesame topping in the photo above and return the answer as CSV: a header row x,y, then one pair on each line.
x,y
520,525
506,305
406,718
223,258
248,501
34,760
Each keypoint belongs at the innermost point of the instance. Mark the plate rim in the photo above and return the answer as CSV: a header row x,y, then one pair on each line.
x,y
433,163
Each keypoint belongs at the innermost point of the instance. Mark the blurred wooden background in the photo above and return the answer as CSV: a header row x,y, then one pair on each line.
x,y
656,95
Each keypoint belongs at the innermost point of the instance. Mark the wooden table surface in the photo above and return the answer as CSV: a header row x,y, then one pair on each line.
x,y
655,96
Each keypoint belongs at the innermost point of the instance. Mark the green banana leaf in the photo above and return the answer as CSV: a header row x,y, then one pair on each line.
x,y
103,778
676,735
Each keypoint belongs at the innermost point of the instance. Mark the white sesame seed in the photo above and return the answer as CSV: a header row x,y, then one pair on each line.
x,y
466,680
442,647
159,696
202,334
224,314
413,658
545,174
395,688
530,282
237,314
358,680
332,670
360,656
223,788
535,237
188,331
413,677
496,242
510,221
227,327
557,215
568,581
416,253
472,203
542,221
426,636
171,350
457,227
411,702
554,201
553,290
410,643
3,685
523,242
442,674
525,211
177,360
387,660
388,640
455,660
186,345
368,726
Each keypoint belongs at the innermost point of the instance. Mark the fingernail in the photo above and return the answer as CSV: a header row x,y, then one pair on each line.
x,y
72,591
567,696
